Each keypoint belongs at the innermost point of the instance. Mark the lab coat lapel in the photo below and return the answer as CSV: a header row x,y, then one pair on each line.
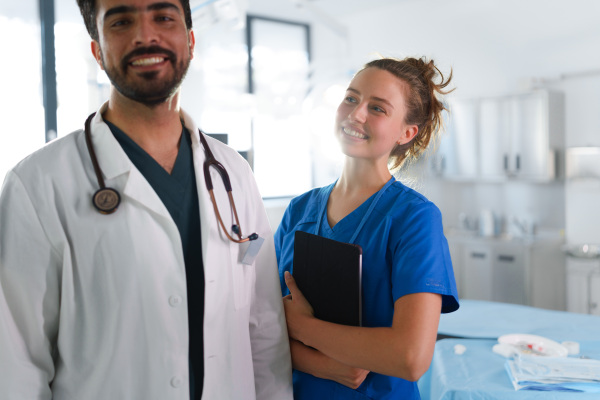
x,y
119,172
212,243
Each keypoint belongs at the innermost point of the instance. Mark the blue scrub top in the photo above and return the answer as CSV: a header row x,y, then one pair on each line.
x,y
404,252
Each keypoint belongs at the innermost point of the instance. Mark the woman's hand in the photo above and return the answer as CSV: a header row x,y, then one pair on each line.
x,y
306,359
311,361
349,376
297,308
403,350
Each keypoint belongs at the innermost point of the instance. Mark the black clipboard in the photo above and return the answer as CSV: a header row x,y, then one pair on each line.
x,y
328,273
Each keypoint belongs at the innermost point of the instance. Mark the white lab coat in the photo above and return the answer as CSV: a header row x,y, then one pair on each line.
x,y
94,306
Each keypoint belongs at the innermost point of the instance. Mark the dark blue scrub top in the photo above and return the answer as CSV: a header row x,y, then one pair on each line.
x,y
179,194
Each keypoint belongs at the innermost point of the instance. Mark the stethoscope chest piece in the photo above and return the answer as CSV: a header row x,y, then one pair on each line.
x,y
106,200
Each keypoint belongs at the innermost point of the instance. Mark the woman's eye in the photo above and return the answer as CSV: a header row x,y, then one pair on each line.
x,y
378,109
350,99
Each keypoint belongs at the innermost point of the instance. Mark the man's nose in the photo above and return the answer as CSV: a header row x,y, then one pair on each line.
x,y
146,32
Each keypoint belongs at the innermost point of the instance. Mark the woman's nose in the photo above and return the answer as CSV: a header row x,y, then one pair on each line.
x,y
358,113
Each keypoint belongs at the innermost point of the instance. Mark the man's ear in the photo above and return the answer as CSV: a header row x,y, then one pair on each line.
x,y
408,134
97,52
192,42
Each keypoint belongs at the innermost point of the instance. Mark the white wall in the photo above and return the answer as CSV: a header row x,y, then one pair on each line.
x,y
496,47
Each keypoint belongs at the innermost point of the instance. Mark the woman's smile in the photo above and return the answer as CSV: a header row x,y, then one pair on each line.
x,y
353,133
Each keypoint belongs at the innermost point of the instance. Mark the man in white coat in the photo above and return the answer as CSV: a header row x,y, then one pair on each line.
x,y
136,291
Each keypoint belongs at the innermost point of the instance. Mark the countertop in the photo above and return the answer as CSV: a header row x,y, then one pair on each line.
x,y
542,237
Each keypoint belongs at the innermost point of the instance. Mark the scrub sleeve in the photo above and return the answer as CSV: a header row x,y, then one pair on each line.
x,y
404,251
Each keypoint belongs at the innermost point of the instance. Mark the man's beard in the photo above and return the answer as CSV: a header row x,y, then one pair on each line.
x,y
151,91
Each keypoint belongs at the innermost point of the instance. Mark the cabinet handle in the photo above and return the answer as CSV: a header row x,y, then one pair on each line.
x,y
518,162
506,162
506,258
478,255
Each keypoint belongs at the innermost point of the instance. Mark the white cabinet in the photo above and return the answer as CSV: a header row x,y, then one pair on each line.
x,y
500,138
595,293
454,245
494,272
456,155
583,285
494,142
527,272
509,274
531,156
547,276
520,135
477,271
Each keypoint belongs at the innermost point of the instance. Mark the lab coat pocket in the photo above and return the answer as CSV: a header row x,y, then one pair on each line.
x,y
243,279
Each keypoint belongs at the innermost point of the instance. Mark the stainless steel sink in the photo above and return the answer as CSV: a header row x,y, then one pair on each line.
x,y
583,250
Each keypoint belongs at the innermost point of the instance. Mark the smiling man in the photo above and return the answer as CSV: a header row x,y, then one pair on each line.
x,y
119,278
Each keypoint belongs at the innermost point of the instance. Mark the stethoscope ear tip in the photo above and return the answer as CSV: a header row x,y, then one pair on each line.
x,y
236,230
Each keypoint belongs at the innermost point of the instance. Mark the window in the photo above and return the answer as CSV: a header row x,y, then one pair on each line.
x,y
21,106
253,84
81,86
279,80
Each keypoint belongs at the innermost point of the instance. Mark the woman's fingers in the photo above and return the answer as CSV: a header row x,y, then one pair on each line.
x,y
295,293
290,283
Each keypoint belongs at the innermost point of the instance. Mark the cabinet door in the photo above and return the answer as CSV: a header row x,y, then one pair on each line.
x,y
457,152
529,155
456,255
547,276
477,272
494,137
509,277
595,293
578,277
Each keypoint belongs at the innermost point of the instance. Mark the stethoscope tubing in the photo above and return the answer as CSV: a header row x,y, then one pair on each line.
x,y
106,200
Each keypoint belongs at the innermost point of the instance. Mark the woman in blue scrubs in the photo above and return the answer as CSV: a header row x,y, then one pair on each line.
x,y
389,115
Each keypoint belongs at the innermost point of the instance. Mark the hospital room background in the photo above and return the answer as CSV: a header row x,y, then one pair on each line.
x,y
516,175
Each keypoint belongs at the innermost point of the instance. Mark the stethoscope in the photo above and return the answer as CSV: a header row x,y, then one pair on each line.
x,y
106,200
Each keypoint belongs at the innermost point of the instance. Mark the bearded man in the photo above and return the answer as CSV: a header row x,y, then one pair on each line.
x,y
119,277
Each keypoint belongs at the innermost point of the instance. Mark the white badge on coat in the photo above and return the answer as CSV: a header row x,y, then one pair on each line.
x,y
249,250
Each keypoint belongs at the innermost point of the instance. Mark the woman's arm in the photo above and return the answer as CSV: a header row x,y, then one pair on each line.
x,y
311,361
403,350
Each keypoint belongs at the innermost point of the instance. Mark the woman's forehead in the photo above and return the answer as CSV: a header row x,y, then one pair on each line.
x,y
379,83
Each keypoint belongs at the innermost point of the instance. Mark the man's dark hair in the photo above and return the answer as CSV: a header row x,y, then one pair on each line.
x,y
88,12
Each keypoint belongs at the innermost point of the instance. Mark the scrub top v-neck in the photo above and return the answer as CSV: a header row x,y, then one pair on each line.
x,y
348,228
179,194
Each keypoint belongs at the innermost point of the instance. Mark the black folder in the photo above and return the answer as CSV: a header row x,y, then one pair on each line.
x,y
328,273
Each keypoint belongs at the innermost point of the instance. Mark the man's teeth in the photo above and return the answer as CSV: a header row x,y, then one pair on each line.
x,y
353,133
148,61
